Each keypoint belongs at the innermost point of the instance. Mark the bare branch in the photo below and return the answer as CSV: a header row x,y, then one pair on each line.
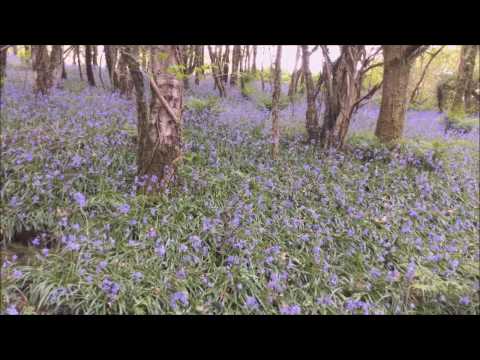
x,y
417,86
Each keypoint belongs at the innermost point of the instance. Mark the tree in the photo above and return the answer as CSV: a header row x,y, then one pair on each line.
x,y
464,79
217,67
275,102
292,89
47,67
198,63
398,61
160,126
111,60
89,65
76,54
312,124
3,68
472,83
236,58
343,79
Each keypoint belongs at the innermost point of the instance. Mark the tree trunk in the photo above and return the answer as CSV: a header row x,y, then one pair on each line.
x,y
3,70
396,73
123,83
472,83
216,68
312,125
41,67
143,122
295,73
275,102
55,67
464,83
254,60
15,50
88,65
198,63
77,52
160,132
235,64
226,57
262,79
64,71
95,55
111,60
344,83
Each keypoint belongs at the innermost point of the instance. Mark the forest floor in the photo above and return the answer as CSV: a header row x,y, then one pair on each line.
x,y
365,231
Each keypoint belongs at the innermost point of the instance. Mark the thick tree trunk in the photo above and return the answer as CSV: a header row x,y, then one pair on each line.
x,y
472,83
344,82
464,76
123,83
111,60
235,64
226,58
41,67
88,65
396,73
56,67
275,102
312,124
160,136
3,70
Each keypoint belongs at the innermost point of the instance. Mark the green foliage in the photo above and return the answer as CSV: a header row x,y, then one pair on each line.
x,y
460,122
265,100
210,103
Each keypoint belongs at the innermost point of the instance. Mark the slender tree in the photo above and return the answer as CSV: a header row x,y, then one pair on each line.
x,y
472,83
79,62
198,62
398,61
275,103
254,59
89,65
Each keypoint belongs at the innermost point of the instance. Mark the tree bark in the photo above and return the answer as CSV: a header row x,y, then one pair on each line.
x,y
95,55
88,65
398,63
41,66
161,135
312,124
235,64
292,89
55,67
111,60
198,63
469,82
275,103
254,60
123,80
216,69
77,52
343,85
